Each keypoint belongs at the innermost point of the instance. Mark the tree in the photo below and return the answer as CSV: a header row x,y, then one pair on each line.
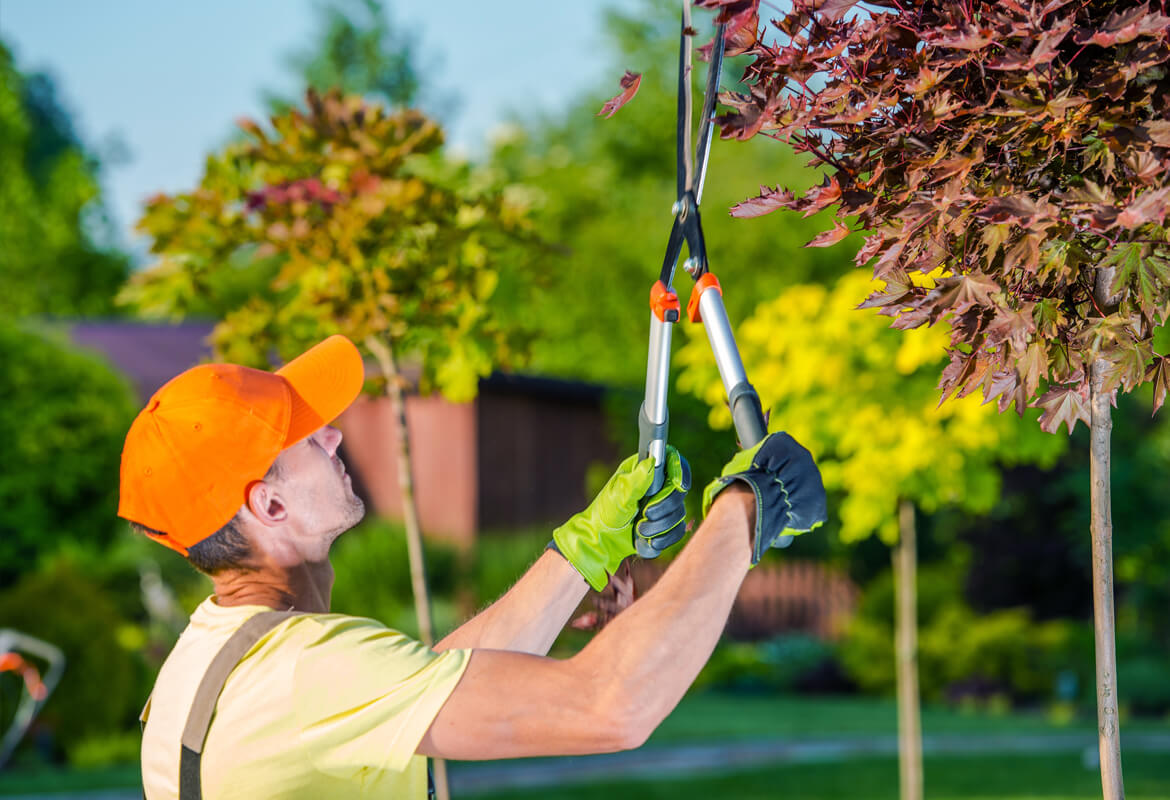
x,y
53,259
1022,148
349,215
358,51
602,190
863,399
62,418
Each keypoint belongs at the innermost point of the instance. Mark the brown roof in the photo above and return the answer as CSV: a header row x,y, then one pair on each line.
x,y
148,353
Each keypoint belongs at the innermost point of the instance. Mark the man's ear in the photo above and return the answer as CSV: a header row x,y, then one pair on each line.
x,y
265,503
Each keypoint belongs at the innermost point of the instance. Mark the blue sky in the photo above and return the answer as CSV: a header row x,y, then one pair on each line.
x,y
168,78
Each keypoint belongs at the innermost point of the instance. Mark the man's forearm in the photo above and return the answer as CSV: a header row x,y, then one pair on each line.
x,y
530,616
656,647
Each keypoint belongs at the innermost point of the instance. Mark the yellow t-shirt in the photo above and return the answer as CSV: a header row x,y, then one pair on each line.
x,y
325,705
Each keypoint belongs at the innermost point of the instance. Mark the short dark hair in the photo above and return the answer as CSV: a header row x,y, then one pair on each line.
x,y
225,549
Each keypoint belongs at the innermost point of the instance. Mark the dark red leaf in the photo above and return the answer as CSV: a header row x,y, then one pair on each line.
x,y
1151,206
832,10
1159,374
767,201
1125,26
963,38
741,33
629,83
827,238
1064,405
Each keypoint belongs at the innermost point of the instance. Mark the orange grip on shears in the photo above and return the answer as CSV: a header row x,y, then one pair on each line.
x,y
707,281
664,303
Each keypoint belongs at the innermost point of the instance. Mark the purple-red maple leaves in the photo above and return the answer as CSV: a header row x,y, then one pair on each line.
x,y
629,83
1016,148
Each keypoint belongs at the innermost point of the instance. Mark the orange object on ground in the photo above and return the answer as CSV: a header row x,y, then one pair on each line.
x,y
14,662
663,301
208,433
707,281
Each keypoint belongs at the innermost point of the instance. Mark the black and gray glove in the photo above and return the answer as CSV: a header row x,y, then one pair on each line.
x,y
790,496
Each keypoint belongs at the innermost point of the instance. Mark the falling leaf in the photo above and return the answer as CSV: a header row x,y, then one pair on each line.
x,y
629,83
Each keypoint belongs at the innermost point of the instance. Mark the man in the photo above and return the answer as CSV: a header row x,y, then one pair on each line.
x,y
238,470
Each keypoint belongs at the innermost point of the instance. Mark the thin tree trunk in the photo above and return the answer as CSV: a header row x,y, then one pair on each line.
x,y
1101,530
384,354
1109,734
905,558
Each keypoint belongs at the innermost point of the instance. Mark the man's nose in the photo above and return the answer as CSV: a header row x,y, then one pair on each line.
x,y
330,439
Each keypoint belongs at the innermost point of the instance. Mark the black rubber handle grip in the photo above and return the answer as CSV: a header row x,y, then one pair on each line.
x,y
747,414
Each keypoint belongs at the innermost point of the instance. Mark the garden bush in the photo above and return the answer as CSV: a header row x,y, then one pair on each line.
x,y
105,682
372,576
63,416
1143,684
961,653
779,664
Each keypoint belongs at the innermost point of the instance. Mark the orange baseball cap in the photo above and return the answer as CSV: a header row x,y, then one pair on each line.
x,y
208,433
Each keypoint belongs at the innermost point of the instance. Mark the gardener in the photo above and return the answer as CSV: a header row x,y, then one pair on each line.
x,y
238,470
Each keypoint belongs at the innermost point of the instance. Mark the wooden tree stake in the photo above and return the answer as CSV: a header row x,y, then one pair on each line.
x,y
905,559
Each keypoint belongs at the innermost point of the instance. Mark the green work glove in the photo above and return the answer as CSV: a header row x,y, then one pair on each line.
x,y
597,540
790,495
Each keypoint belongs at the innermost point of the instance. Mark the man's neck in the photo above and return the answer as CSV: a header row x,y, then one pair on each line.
x,y
305,587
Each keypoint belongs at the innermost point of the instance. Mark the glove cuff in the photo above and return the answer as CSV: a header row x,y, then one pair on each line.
x,y
584,560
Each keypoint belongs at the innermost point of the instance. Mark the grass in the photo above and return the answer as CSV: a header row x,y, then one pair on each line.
x,y
43,779
715,716
711,716
1147,777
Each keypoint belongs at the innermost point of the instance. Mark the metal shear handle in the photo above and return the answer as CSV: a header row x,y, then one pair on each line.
x,y
706,302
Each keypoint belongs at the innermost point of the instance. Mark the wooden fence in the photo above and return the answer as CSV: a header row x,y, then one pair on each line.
x,y
790,597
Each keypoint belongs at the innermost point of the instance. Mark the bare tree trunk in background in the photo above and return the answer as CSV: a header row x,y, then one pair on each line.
x,y
384,354
1101,529
905,560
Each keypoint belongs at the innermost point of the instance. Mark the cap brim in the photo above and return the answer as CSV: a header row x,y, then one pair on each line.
x,y
325,380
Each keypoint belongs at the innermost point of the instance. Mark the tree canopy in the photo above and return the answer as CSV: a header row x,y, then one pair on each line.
x,y
55,256
1021,146
344,219
358,50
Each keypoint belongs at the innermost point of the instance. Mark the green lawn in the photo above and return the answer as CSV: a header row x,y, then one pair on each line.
x,y
1147,777
713,717
709,716
18,779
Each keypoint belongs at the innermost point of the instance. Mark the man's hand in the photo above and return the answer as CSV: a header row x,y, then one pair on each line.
x,y
790,495
597,540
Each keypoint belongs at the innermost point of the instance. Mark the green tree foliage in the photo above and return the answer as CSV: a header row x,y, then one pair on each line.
x,y
358,50
862,397
63,415
354,225
602,191
52,257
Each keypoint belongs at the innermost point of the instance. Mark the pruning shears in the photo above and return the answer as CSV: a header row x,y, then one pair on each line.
x,y
706,300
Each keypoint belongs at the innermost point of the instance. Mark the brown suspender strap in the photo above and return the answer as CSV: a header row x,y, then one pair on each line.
x,y
199,719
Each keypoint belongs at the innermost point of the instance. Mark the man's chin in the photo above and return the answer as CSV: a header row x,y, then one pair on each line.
x,y
357,509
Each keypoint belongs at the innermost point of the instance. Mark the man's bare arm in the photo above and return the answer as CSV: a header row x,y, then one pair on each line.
x,y
616,691
529,616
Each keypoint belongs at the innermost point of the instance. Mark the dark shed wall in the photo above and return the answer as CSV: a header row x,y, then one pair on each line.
x,y
535,440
